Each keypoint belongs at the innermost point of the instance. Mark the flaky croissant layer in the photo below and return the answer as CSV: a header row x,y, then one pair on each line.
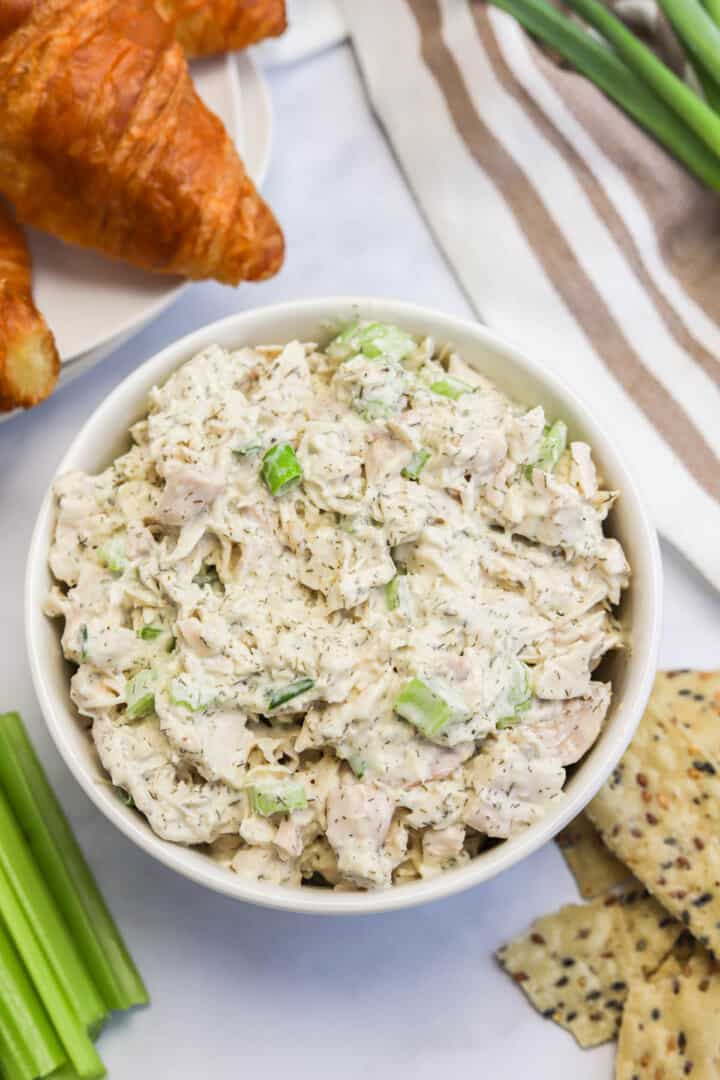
x,y
105,143
204,27
29,361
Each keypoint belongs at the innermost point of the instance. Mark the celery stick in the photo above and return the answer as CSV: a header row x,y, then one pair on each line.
x,y
71,1030
65,870
605,68
12,1065
29,1046
422,707
372,340
50,930
281,799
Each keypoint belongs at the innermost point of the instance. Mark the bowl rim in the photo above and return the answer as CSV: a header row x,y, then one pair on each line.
x,y
586,781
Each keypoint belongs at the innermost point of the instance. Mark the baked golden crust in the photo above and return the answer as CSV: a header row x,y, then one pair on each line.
x,y
12,13
29,361
204,27
105,143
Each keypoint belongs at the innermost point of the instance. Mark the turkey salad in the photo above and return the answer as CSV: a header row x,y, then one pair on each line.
x,y
335,613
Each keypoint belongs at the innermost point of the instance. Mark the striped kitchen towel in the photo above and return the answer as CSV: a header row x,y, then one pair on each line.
x,y
571,231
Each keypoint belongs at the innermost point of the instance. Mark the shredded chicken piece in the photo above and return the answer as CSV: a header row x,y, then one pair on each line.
x,y
514,782
359,817
567,729
187,491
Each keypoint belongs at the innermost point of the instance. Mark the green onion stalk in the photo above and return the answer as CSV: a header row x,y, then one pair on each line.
x,y
621,81
672,90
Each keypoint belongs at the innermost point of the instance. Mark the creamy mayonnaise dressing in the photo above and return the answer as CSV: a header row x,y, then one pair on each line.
x,y
336,611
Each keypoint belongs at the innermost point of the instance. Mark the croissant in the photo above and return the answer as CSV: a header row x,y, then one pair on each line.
x,y
202,27
29,361
105,143
209,26
12,13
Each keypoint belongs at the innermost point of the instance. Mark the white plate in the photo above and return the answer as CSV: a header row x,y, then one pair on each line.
x,y
92,303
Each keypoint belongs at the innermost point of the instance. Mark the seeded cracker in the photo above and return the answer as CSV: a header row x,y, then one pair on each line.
x,y
687,957
649,933
594,867
569,966
671,1029
691,700
659,813
687,699
575,965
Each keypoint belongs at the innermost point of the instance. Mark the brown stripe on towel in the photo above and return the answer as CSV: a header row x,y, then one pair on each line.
x,y
602,205
686,215
559,261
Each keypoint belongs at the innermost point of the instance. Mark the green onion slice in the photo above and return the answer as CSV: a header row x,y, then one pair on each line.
x,y
281,469
416,464
358,765
373,410
286,693
140,694
552,445
392,593
112,555
519,694
188,694
451,388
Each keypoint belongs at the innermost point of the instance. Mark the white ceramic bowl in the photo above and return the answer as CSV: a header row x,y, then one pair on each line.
x,y
104,436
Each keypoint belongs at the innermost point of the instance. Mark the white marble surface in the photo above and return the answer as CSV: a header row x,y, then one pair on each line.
x,y
240,990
